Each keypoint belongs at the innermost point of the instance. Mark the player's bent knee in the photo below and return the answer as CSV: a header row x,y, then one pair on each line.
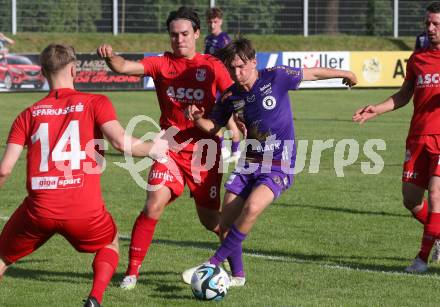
x,y
115,243
410,205
251,210
211,226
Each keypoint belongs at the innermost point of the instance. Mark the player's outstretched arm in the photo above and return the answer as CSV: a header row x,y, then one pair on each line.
x,y
193,113
318,73
117,63
7,39
115,134
394,102
10,157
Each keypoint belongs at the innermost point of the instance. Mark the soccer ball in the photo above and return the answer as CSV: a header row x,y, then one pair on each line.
x,y
210,282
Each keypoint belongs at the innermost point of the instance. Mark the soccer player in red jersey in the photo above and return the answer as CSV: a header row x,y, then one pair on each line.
x,y
62,133
421,169
181,77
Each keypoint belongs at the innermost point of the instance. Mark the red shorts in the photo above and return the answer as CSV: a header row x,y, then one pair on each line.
x,y
24,233
204,184
421,159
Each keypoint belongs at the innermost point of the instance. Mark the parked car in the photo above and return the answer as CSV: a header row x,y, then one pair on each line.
x,y
17,70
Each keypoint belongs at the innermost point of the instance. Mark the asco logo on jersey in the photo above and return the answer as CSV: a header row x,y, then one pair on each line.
x,y
186,93
428,80
55,183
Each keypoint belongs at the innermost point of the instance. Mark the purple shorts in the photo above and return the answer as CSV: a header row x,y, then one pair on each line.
x,y
242,183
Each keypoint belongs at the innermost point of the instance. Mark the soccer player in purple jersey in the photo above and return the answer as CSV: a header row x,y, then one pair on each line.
x,y
422,41
213,43
217,39
260,102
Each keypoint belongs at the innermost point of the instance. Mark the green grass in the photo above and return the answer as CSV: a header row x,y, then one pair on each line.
x,y
327,241
88,42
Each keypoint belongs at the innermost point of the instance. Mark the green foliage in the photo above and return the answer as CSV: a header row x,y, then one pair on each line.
x,y
5,13
58,16
379,17
250,16
247,16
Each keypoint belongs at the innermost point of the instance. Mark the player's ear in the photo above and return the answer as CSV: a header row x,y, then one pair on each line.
x,y
73,70
254,62
197,34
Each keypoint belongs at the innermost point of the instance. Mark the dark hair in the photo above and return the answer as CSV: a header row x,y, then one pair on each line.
x,y
184,13
55,57
434,7
241,47
214,12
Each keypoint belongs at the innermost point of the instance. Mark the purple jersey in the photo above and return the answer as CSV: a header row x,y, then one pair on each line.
x,y
266,112
422,41
214,43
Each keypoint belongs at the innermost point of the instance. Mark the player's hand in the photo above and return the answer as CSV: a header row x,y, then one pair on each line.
x,y
240,125
105,51
160,148
366,113
192,112
350,80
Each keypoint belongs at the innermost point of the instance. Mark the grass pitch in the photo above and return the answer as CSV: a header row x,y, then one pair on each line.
x,y
328,241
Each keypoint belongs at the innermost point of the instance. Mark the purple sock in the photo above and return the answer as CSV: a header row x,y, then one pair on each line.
x,y
221,141
235,146
235,260
229,245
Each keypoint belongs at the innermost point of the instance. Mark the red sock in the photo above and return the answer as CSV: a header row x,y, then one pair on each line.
x,y
431,232
104,265
422,214
141,237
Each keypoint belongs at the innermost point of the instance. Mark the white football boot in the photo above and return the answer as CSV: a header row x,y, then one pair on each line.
x,y
417,266
237,281
187,274
129,282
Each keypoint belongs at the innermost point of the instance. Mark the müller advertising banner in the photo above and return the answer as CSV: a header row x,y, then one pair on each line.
x,y
374,69
312,59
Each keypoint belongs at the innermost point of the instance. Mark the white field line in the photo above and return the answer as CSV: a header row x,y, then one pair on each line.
x,y
325,266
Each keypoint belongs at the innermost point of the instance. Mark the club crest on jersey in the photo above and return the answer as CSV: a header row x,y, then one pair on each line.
x,y
201,74
250,98
277,180
269,102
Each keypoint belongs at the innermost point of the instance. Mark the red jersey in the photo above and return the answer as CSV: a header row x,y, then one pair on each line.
x,y
180,82
423,70
63,176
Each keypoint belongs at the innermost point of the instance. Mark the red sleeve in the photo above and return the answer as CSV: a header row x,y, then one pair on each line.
x,y
19,133
222,78
103,110
152,65
409,76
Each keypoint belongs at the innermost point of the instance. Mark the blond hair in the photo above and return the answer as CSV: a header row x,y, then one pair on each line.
x,y
55,57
